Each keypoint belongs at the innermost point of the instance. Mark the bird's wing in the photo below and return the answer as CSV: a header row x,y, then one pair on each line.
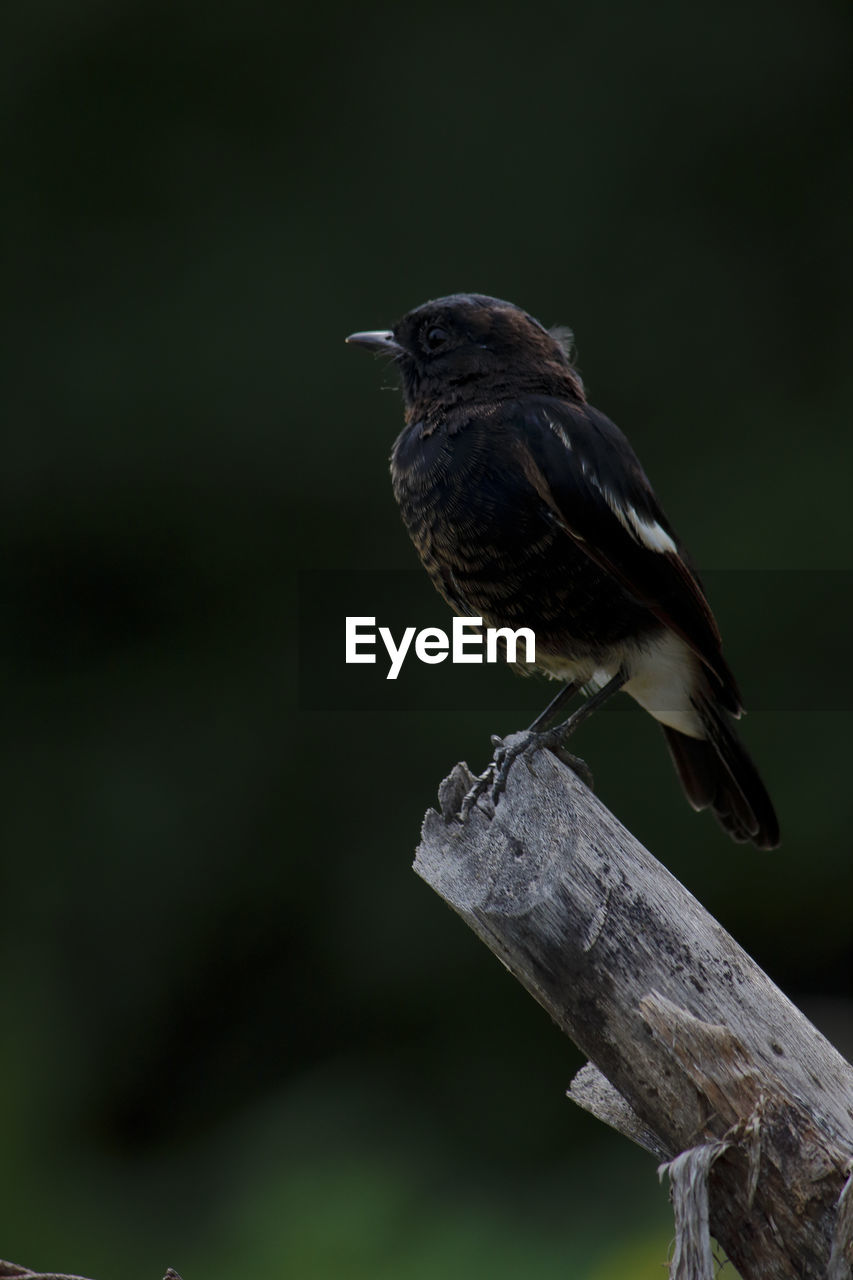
x,y
592,483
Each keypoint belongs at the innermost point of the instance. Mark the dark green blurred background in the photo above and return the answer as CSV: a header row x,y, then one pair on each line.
x,y
238,1035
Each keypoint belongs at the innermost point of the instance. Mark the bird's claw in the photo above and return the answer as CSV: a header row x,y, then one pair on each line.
x,y
525,748
506,756
555,740
578,767
475,791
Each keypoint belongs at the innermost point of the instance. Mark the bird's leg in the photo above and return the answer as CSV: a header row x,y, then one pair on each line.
x,y
547,717
480,784
554,739
543,721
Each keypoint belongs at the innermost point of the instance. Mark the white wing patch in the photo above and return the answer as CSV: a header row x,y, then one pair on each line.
x,y
648,533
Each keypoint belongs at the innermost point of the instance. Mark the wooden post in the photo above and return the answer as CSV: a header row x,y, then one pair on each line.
x,y
694,1053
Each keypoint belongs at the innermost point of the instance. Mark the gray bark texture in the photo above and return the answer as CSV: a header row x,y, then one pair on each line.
x,y
694,1053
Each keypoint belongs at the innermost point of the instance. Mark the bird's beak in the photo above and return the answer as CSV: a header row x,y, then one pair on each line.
x,y
376,340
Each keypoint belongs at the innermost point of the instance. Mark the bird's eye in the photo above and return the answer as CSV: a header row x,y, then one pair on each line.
x,y
434,337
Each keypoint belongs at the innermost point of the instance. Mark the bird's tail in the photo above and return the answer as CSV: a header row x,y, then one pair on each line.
x,y
717,773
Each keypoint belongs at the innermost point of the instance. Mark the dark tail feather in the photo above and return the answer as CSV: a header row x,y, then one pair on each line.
x,y
717,773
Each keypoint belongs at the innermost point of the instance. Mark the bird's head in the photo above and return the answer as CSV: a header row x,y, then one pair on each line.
x,y
469,346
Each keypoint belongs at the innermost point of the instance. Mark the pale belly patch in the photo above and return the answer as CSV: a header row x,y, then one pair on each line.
x,y
662,673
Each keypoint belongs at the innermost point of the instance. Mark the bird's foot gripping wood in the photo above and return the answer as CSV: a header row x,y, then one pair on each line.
x,y
522,746
536,739
481,784
525,747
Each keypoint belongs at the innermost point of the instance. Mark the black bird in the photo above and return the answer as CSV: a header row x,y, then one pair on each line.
x,y
528,507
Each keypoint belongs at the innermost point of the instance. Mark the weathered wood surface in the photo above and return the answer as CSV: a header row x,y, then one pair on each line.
x,y
693,1048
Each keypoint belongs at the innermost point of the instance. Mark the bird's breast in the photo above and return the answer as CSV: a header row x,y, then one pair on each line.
x,y
492,546
461,495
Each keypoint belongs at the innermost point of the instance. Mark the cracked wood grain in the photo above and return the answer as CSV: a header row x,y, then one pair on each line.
x,y
691,1045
